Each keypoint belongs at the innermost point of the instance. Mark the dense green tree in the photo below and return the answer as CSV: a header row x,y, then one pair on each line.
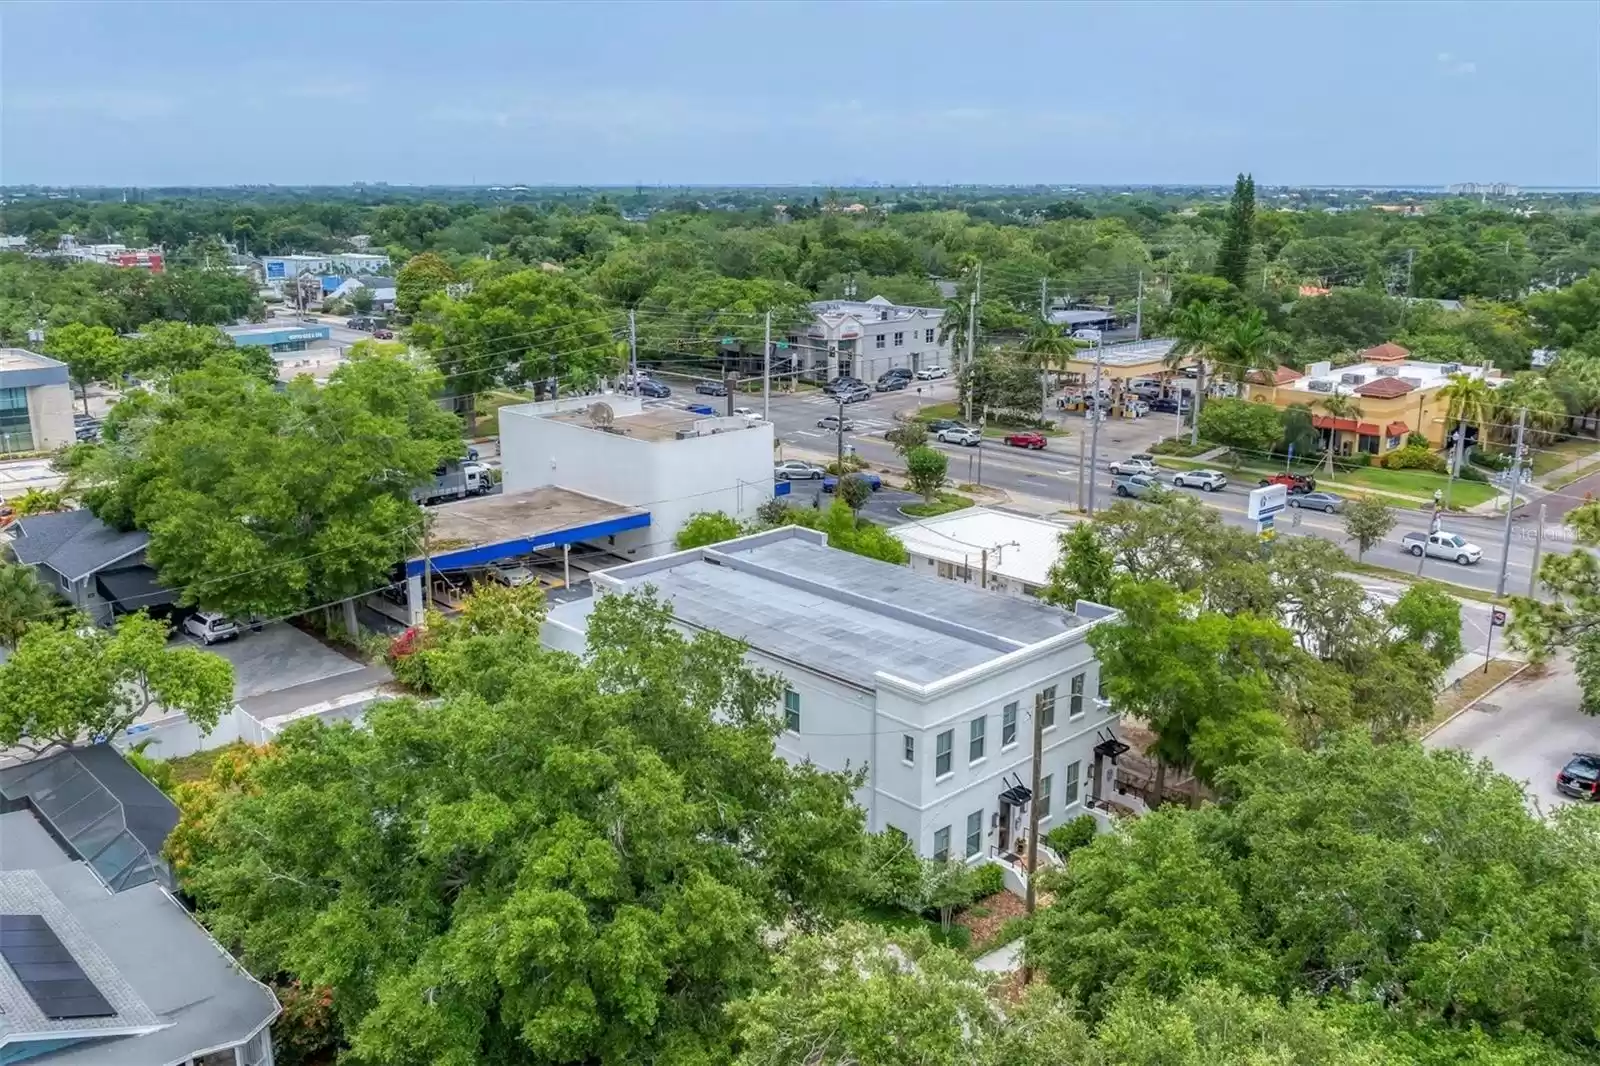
x,y
927,470
201,467
1565,317
1085,569
855,491
69,682
584,863
1367,520
163,349
707,527
24,601
526,327
1238,239
1250,429
92,353
1346,319
422,277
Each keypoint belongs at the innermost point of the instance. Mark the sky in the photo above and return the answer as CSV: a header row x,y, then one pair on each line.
x,y
683,92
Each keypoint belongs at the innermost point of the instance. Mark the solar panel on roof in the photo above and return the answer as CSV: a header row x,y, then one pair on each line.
x,y
48,972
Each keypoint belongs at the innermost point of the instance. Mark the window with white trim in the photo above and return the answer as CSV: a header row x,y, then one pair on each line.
x,y
791,710
927,337
974,833
908,754
978,728
943,745
1043,799
1069,785
899,340
1008,726
1047,707
941,844
1075,699
878,341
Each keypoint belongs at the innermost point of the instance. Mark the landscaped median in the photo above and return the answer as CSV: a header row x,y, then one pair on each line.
x,y
943,503
1415,487
996,427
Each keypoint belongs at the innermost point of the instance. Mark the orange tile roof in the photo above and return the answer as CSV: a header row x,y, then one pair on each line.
x,y
1384,388
1281,375
1396,429
1387,352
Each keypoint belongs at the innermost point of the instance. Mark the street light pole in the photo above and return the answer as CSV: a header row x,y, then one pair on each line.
x,y
1094,432
766,369
840,428
1511,504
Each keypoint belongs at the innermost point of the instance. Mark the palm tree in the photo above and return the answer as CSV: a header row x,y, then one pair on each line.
x,y
24,600
39,501
1046,347
1532,392
1576,380
1470,400
1340,406
1196,328
1242,345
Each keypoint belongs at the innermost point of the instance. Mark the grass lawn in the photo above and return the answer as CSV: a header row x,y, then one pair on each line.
x,y
1409,577
1413,485
489,404
1562,452
944,504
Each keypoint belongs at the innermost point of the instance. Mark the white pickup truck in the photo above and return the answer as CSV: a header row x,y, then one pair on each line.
x,y
1442,545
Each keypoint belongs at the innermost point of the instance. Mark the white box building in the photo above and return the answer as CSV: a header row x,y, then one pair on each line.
x,y
1004,552
670,462
867,338
929,685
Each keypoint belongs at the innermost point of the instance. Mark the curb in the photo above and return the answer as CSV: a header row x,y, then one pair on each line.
x,y
1479,698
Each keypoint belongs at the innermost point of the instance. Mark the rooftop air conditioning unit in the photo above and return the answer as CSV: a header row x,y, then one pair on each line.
x,y
1320,385
1450,368
1415,383
1352,379
1388,371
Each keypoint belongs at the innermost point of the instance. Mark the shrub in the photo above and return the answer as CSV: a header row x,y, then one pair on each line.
x,y
1352,462
1412,458
1069,837
987,880
1418,440
1489,460
851,464
1468,472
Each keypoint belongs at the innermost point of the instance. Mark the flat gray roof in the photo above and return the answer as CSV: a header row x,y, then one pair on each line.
x,y
22,359
837,613
513,515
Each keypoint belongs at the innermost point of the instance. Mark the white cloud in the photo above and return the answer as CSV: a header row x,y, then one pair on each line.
x,y
1454,66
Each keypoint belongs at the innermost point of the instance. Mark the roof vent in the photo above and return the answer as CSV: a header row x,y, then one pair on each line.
x,y
1450,368
1352,379
1388,371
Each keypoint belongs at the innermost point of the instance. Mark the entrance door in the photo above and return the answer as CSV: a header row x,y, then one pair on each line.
x,y
1005,827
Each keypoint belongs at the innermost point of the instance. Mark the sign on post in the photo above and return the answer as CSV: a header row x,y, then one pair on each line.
x,y
1266,502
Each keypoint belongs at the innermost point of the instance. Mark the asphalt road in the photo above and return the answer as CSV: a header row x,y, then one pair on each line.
x,y
1052,475
1528,730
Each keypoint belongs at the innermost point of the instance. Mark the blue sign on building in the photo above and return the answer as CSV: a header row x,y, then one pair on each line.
x,y
275,268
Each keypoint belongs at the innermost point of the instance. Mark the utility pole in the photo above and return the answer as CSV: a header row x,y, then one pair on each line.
x,y
1538,542
1138,311
1094,433
766,371
1032,857
1411,256
841,435
1511,504
633,350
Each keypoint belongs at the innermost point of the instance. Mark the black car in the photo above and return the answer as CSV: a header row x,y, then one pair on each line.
x,y
1169,405
892,384
711,388
653,389
896,372
1581,776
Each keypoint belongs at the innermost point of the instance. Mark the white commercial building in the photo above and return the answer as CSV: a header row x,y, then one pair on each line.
x,y
927,685
670,462
997,550
866,338
35,403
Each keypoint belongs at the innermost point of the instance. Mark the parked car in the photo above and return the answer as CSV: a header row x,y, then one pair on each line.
x,y
1442,545
1134,466
897,372
856,395
932,373
796,470
1326,502
700,408
1137,408
939,425
1580,778
1210,480
1137,485
835,423
1035,441
965,436
711,388
1295,483
1087,333
208,627
1170,405
874,482
747,412
513,574
891,384
383,334
843,384
652,388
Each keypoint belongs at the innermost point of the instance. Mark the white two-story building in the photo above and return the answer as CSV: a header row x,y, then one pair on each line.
x,y
866,338
929,685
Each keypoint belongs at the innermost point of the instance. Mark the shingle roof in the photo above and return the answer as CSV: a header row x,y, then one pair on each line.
x,y
74,544
1387,352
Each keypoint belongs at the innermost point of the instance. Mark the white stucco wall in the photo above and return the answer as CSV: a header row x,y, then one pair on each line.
x,y
50,413
672,479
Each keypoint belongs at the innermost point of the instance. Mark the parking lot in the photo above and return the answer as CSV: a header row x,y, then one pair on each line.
x,y
278,657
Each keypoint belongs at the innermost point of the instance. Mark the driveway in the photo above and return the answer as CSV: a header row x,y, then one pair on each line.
x,y
1527,730
277,658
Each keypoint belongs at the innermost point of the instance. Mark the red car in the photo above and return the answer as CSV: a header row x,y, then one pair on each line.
x,y
383,334
1295,483
1025,440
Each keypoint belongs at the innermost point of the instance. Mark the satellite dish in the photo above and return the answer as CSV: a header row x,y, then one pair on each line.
x,y
602,415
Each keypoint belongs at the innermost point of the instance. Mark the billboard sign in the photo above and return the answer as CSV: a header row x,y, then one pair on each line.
x,y
275,269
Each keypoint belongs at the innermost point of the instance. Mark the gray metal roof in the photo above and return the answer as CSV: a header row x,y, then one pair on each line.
x,y
74,544
149,958
842,614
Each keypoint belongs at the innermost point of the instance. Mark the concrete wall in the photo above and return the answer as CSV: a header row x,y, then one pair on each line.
x,y
50,413
1011,586
672,479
